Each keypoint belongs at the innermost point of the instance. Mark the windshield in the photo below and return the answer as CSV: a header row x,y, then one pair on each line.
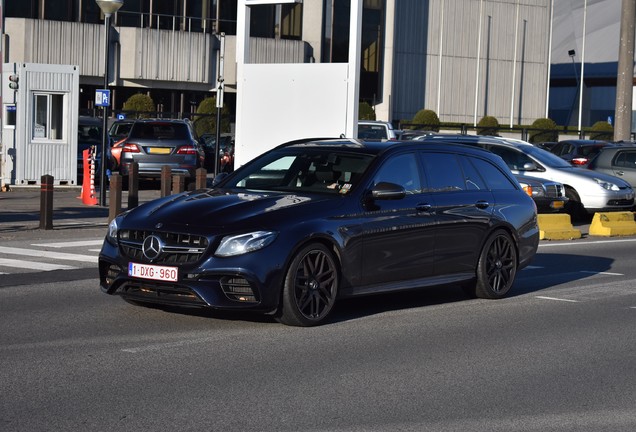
x,y
295,169
545,157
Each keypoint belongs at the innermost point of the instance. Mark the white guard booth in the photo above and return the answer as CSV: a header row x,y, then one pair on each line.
x,y
39,123
277,103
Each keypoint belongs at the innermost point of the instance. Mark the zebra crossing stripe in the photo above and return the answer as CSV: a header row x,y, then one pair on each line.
x,y
47,254
6,262
59,245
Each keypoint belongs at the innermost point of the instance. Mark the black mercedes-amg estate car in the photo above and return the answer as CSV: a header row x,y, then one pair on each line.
x,y
310,222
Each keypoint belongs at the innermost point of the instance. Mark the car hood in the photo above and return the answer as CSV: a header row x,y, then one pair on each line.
x,y
224,209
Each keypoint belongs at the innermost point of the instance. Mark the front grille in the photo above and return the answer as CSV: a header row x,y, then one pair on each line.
x,y
161,293
554,191
238,289
177,249
621,202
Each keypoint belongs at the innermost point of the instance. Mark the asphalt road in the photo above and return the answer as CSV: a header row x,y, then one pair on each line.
x,y
558,355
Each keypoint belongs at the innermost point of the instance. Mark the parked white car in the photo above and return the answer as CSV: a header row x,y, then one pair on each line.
x,y
587,191
374,130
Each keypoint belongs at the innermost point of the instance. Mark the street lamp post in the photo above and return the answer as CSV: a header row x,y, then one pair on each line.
x,y
108,8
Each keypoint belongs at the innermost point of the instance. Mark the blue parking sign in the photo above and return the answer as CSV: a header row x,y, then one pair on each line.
x,y
102,97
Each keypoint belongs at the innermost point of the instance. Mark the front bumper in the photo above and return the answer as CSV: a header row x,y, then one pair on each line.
x,y
249,282
612,201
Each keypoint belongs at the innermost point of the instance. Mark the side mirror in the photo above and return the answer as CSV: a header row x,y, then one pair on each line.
x,y
387,191
529,166
219,178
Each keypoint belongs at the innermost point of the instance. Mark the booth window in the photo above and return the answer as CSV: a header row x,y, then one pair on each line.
x,y
48,116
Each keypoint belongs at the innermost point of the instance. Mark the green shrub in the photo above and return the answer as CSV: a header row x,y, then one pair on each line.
x,y
140,105
488,125
426,119
602,130
205,121
365,111
547,131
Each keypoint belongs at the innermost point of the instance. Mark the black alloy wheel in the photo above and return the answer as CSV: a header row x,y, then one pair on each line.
x,y
497,266
311,287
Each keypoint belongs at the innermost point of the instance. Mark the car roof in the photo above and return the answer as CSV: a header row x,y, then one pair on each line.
x,y
377,147
483,139
584,142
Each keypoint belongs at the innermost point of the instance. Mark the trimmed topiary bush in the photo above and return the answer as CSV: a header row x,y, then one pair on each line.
x,y
602,130
547,131
141,105
426,119
488,125
205,122
365,111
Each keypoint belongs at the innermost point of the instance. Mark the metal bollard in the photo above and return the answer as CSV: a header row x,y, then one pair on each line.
x,y
133,185
114,205
178,183
201,178
46,202
166,180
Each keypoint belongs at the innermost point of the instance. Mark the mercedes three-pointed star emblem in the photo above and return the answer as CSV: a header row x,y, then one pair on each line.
x,y
152,247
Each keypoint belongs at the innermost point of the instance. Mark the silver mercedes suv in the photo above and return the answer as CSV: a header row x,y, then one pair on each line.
x,y
157,143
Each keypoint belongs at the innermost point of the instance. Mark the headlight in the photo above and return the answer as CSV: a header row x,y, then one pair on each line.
x,y
244,243
607,185
113,228
533,191
526,188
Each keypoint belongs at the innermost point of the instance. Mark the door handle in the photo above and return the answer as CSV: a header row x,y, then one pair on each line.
x,y
482,204
423,207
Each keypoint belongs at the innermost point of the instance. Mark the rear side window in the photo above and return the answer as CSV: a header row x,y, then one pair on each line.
x,y
626,160
495,179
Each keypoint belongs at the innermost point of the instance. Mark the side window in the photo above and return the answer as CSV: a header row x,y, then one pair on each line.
x,y
512,157
443,172
472,177
401,169
558,149
495,179
626,160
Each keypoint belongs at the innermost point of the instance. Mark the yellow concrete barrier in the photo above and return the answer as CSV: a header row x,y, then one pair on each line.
x,y
557,226
613,224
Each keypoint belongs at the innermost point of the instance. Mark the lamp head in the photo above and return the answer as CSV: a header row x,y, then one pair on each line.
x,y
109,7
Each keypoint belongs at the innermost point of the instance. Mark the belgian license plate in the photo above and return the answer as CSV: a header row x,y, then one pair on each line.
x,y
154,272
159,150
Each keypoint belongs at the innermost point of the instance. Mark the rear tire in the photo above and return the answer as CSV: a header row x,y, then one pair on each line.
x,y
310,287
497,266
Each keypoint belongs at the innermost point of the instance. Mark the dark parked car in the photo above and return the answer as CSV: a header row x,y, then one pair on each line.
x,y
578,152
154,144
226,152
89,136
619,161
548,195
310,222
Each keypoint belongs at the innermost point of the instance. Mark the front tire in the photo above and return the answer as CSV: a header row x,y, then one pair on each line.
x,y
310,287
497,266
